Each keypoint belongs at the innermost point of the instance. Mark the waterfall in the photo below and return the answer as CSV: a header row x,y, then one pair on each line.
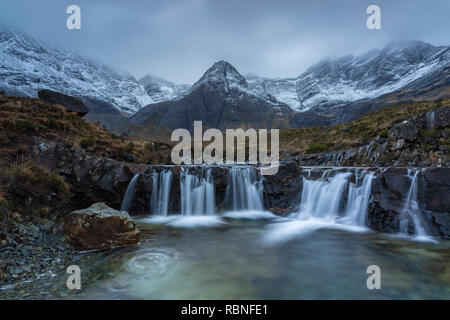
x,y
197,193
358,200
245,189
411,210
336,198
129,194
161,183
322,198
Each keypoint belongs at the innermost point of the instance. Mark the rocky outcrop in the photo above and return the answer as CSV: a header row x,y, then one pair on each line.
x,y
71,104
91,179
100,227
411,143
390,189
282,191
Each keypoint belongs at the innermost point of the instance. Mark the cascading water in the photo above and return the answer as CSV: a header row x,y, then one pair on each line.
x,y
245,189
161,183
129,194
332,201
197,193
336,198
411,210
358,200
322,198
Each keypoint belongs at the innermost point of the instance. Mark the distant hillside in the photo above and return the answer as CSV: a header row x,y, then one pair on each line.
x,y
412,134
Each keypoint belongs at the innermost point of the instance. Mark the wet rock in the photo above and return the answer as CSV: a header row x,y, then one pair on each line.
x,y
436,189
100,227
141,203
389,192
283,190
96,180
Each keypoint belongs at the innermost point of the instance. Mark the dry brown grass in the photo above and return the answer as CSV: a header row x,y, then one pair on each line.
x,y
353,134
22,119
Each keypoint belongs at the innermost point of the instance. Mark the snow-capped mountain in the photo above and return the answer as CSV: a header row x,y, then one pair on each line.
x,y
351,78
27,66
221,99
162,90
333,90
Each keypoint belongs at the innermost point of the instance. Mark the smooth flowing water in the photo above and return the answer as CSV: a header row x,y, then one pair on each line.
x,y
245,189
411,211
129,194
161,183
320,252
197,193
233,261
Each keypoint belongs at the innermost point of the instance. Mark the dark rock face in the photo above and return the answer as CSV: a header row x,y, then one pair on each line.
x,y
100,227
438,118
220,99
71,104
91,179
388,192
390,189
407,145
435,198
407,131
283,190
106,180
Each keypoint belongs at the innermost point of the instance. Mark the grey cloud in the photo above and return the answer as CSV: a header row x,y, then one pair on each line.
x,y
179,39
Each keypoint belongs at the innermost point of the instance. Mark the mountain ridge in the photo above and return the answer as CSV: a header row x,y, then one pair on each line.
x,y
352,78
331,91
220,99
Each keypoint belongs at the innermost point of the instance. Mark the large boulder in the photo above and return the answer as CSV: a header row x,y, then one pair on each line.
x,y
71,104
100,227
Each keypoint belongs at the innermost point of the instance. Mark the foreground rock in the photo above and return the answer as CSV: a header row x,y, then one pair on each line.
x,y
71,104
389,190
100,227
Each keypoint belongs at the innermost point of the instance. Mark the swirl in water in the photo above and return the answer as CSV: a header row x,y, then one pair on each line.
x,y
154,262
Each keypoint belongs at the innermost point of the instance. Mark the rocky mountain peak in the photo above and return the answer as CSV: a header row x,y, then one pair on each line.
x,y
162,90
412,51
223,76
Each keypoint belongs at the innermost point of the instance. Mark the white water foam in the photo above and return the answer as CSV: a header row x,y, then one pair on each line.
x,y
331,202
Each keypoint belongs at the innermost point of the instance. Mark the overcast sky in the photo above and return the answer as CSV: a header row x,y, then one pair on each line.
x,y
179,39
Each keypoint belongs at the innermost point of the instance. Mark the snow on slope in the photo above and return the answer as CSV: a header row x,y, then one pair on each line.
x,y
162,90
348,79
27,66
